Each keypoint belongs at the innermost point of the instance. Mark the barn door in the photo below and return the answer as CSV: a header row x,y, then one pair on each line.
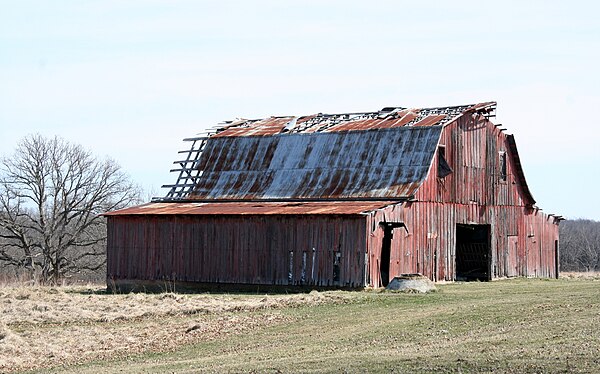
x,y
511,257
386,248
473,252
384,261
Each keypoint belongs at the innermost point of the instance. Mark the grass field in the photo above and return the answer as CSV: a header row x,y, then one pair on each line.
x,y
511,326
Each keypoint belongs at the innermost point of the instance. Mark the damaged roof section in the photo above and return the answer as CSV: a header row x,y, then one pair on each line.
x,y
371,155
386,118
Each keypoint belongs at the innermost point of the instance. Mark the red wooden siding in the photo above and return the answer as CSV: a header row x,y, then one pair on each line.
x,y
473,145
430,244
522,237
238,249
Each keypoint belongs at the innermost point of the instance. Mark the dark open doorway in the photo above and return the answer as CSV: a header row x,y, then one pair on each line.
x,y
386,247
473,252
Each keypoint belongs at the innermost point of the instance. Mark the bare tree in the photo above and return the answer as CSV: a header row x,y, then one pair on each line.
x,y
580,245
51,195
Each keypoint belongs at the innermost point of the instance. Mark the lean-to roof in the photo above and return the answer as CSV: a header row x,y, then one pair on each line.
x,y
254,208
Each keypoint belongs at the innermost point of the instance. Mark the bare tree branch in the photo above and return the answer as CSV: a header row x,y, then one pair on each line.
x,y
51,195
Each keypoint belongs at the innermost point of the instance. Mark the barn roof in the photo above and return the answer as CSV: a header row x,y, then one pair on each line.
x,y
383,163
388,117
381,155
254,208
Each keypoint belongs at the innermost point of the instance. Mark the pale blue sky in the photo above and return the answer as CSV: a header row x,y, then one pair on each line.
x,y
130,79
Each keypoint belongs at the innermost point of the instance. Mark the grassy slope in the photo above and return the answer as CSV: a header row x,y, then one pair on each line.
x,y
507,326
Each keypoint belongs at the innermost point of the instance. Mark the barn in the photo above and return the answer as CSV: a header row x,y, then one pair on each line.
x,y
340,200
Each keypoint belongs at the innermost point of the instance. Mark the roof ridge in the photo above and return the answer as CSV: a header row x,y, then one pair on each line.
x,y
324,122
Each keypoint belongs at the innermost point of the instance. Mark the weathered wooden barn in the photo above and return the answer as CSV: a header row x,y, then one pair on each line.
x,y
344,200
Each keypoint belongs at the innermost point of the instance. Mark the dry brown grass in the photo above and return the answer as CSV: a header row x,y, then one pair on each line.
x,y
46,326
510,326
92,304
580,275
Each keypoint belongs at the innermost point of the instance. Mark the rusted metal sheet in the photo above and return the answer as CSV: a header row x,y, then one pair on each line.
x,y
430,120
269,126
383,163
273,250
385,118
399,119
485,107
254,208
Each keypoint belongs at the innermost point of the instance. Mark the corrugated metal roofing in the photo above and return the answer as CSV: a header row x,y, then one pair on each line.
x,y
385,118
376,155
253,208
380,163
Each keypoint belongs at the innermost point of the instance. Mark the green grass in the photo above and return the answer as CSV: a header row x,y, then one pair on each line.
x,y
516,326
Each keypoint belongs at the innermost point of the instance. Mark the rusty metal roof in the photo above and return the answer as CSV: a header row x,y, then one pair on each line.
x,y
379,163
372,155
385,118
253,208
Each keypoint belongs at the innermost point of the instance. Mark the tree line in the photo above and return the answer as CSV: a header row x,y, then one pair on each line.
x,y
580,245
51,195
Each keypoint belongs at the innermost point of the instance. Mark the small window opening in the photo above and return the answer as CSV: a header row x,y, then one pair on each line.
x,y
336,266
443,168
503,166
291,268
303,274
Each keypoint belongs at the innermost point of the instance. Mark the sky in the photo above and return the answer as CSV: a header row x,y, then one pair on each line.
x,y
130,79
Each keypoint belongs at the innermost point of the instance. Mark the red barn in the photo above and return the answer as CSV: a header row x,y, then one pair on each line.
x,y
344,200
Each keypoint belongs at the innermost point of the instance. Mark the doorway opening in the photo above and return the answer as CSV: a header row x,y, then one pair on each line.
x,y
386,247
473,253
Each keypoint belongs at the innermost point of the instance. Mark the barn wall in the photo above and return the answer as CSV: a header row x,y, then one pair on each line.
x,y
522,238
274,250
473,146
